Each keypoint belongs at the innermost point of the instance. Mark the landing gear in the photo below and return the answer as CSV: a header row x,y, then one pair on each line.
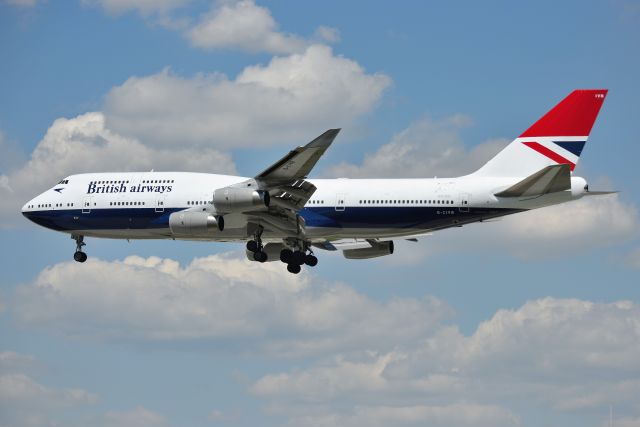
x,y
79,256
256,247
295,259
260,256
293,268
311,260
252,246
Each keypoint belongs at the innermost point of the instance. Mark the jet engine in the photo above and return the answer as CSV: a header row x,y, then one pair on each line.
x,y
377,249
236,200
194,224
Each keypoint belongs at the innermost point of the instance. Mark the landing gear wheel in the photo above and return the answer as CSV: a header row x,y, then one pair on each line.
x,y
298,257
260,256
252,246
311,260
286,255
80,256
293,268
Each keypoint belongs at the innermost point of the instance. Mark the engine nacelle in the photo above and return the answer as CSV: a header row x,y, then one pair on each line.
x,y
230,199
194,224
379,249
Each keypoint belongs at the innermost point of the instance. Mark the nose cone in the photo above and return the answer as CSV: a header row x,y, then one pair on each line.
x,y
27,211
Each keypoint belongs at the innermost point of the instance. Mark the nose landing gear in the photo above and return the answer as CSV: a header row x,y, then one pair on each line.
x,y
79,256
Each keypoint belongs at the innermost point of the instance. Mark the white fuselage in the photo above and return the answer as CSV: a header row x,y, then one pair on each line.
x,y
137,205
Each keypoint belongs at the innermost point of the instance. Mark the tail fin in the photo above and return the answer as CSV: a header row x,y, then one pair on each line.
x,y
557,138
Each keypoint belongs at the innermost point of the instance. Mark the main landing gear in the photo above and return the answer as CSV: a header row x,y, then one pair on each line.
x,y
256,247
79,255
295,259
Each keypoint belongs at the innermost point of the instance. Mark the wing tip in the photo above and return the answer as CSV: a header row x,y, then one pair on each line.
x,y
325,139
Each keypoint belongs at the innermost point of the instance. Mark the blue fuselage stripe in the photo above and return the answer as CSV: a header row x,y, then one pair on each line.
x,y
387,217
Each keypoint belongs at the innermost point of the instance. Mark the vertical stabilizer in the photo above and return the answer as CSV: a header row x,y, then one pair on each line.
x,y
557,138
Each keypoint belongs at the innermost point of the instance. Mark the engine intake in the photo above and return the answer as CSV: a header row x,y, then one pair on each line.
x,y
230,199
194,224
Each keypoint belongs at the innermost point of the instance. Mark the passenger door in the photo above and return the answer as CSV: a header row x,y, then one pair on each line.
x,y
340,202
86,205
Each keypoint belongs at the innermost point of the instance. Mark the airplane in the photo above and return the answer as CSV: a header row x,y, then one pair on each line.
x,y
284,216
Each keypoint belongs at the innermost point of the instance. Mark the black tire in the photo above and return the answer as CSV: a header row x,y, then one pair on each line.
x,y
252,246
298,257
260,256
285,255
80,256
293,268
311,260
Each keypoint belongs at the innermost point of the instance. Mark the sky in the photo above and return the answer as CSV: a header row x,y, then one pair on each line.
x,y
533,320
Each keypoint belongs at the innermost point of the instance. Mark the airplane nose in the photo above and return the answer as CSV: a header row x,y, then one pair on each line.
x,y
26,209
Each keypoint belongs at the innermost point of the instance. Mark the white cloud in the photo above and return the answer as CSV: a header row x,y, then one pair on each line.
x,y
26,402
559,354
279,103
11,154
85,144
20,388
462,414
561,230
623,422
328,34
21,3
243,25
138,417
362,356
427,148
219,298
14,362
144,7
588,223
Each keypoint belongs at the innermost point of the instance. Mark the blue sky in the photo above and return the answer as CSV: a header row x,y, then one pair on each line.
x,y
532,320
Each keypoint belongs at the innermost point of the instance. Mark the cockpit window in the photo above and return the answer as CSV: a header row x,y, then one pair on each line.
x,y
64,181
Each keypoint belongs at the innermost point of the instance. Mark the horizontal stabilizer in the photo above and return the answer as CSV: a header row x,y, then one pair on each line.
x,y
551,179
600,193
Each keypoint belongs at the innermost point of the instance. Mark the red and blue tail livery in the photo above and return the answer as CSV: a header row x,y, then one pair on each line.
x,y
558,137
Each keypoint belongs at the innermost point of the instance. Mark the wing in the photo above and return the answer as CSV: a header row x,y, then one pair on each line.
x,y
288,190
298,163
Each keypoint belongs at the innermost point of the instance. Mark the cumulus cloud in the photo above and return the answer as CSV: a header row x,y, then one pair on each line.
x,y
583,225
278,103
86,144
564,354
462,414
245,26
144,7
21,3
138,417
398,357
12,155
427,148
14,362
24,401
219,299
